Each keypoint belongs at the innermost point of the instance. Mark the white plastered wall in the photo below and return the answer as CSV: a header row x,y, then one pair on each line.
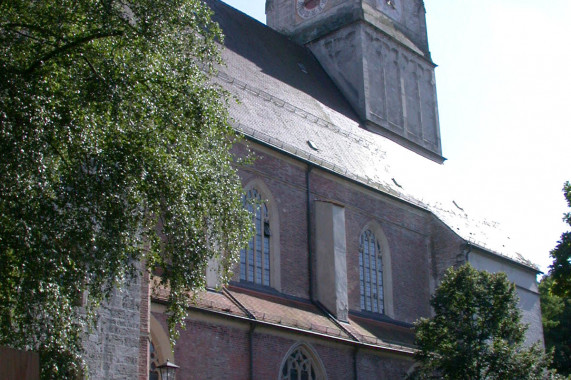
x,y
526,286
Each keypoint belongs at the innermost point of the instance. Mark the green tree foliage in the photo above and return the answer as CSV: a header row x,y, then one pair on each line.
x,y
560,270
116,150
556,318
476,331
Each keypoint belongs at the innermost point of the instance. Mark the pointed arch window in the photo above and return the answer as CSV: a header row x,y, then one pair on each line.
x,y
371,273
255,260
301,365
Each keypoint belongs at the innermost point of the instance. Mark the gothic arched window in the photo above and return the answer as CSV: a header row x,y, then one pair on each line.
x,y
255,260
371,273
301,365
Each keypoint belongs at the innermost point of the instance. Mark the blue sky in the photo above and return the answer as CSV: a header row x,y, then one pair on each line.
x,y
504,96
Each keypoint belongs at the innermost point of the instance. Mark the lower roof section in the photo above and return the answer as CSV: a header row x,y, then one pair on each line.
x,y
299,315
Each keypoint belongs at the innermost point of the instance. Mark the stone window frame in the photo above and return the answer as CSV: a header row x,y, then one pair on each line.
x,y
305,350
383,246
159,338
274,239
154,362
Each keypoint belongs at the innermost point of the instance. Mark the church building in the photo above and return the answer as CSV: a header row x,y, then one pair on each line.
x,y
353,232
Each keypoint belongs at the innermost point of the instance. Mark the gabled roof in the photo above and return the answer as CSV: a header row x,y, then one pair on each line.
x,y
287,101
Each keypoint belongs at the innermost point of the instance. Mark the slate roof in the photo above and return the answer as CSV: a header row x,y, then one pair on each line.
x,y
287,101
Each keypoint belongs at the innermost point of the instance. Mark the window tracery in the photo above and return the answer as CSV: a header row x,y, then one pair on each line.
x,y
255,259
301,366
371,273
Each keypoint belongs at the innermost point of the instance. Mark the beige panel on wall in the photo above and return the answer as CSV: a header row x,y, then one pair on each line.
x,y
331,258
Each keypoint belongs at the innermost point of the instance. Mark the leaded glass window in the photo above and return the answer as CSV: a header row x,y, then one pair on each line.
x,y
300,366
371,273
255,260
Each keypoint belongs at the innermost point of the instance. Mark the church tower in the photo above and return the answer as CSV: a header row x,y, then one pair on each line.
x,y
377,53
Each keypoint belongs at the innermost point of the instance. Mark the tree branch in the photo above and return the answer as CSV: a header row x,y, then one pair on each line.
x,y
31,27
69,46
26,35
91,67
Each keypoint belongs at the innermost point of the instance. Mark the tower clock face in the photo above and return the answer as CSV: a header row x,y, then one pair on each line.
x,y
392,8
309,8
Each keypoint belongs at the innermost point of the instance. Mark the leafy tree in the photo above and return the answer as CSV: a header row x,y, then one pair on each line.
x,y
116,150
476,331
556,318
560,270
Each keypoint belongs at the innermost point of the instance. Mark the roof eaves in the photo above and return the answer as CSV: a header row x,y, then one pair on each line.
x,y
380,345
523,263
272,142
283,147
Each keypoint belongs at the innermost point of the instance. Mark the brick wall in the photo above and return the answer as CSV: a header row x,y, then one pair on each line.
x,y
406,228
371,366
285,180
409,257
420,246
270,352
447,249
215,347
337,360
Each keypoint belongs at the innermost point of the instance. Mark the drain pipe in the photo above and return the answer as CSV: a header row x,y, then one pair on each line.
x,y
252,319
467,251
308,221
251,343
355,366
